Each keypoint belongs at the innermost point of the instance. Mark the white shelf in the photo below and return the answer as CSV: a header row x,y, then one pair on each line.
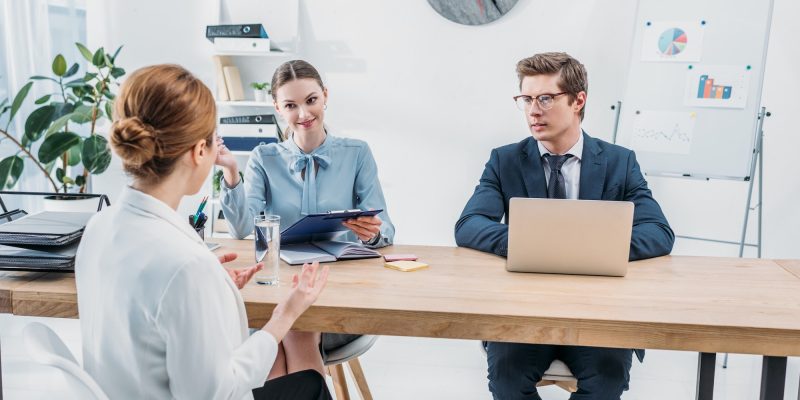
x,y
245,103
251,54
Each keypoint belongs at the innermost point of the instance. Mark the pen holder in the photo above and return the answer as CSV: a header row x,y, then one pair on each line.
x,y
201,230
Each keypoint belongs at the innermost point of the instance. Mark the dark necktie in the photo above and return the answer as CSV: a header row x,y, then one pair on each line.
x,y
556,188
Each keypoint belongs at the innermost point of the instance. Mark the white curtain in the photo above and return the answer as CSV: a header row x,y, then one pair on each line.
x,y
27,44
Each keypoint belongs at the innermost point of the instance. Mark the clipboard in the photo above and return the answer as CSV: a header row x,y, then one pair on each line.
x,y
322,226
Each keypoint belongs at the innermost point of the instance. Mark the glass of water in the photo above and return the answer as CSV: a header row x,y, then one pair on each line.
x,y
268,247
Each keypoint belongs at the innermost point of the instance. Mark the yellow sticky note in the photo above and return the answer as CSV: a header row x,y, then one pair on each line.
x,y
405,266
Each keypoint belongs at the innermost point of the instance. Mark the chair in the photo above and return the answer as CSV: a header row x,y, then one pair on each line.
x,y
348,354
47,349
557,374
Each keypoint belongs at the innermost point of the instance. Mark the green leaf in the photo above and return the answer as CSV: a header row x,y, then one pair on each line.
x,y
10,171
99,57
72,70
59,174
3,104
18,99
89,76
108,62
74,155
41,78
38,122
80,180
116,72
75,83
43,99
59,65
96,154
114,57
82,114
67,180
110,109
84,51
58,124
25,141
57,144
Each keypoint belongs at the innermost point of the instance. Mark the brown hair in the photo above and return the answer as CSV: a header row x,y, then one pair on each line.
x,y
572,73
293,70
162,111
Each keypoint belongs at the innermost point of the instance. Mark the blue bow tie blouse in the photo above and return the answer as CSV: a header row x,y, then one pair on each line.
x,y
276,182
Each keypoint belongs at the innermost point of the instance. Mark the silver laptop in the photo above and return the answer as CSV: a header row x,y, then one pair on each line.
x,y
585,237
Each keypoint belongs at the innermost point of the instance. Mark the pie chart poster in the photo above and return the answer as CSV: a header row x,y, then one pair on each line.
x,y
673,41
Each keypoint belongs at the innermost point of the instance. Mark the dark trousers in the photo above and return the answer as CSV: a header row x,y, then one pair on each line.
x,y
515,368
303,385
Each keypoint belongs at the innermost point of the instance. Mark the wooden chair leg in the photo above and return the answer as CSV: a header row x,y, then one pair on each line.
x,y
570,386
359,379
339,382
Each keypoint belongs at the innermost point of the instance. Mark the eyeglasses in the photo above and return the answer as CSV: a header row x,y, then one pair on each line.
x,y
545,101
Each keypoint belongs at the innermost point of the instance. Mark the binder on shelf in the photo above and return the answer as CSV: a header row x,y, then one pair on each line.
x,y
255,130
235,31
233,82
244,45
262,125
247,143
248,119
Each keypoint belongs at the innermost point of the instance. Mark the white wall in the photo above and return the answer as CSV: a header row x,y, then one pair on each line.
x,y
433,98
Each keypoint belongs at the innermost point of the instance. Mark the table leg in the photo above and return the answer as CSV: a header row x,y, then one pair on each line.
x,y
773,378
706,364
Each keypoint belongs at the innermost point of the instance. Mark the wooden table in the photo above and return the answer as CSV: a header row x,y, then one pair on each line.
x,y
703,304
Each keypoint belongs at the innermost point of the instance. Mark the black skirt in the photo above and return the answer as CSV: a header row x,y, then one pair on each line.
x,y
303,385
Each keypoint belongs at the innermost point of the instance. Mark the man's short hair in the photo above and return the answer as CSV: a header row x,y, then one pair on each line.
x,y
572,73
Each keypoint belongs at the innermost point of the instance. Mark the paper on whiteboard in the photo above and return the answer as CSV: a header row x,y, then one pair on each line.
x,y
722,86
663,131
672,41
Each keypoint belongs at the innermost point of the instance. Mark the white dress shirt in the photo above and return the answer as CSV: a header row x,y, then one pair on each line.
x,y
160,317
571,169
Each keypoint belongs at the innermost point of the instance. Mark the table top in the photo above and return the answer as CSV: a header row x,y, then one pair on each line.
x,y
706,304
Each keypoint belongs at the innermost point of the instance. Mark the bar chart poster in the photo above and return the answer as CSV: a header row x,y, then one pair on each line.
x,y
663,131
673,41
721,86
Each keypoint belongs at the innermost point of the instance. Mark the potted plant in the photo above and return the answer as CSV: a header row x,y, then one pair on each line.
x,y
260,90
60,136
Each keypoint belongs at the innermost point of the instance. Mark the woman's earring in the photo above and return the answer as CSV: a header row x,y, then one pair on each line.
x,y
325,106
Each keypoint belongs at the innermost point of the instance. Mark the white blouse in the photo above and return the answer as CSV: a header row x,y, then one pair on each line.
x,y
160,317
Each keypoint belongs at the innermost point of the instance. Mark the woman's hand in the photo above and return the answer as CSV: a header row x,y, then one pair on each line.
x,y
366,228
305,291
240,276
226,160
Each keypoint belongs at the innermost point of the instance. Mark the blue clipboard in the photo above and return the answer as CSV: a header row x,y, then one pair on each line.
x,y
324,226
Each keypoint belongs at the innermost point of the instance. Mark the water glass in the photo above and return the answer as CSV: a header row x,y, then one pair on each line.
x,y
268,247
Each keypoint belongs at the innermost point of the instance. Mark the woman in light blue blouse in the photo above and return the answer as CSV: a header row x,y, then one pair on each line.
x,y
277,178
276,182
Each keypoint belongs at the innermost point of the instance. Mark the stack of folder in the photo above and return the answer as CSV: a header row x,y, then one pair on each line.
x,y
45,241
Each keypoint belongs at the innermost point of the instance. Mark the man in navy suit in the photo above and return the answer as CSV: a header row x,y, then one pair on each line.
x,y
559,161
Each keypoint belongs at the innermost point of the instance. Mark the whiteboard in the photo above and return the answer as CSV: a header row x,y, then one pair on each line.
x,y
693,91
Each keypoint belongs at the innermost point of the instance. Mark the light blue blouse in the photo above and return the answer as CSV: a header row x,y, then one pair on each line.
x,y
347,178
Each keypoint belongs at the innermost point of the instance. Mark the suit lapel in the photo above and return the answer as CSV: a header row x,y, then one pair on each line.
x,y
593,170
532,171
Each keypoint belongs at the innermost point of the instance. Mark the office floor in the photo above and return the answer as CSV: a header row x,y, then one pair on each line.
x,y
414,368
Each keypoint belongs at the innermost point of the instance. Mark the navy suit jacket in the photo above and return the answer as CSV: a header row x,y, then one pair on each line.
x,y
608,172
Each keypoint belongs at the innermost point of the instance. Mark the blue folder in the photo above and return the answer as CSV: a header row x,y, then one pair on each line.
x,y
319,227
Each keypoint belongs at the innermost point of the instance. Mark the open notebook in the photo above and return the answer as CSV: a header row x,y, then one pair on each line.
x,y
324,251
